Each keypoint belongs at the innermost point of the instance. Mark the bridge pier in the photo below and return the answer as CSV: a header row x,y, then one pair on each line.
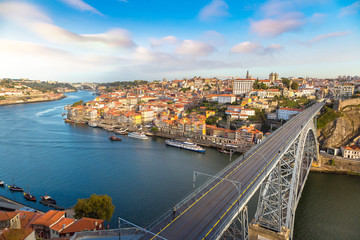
x,y
257,232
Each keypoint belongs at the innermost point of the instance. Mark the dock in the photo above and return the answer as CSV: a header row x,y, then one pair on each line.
x,y
57,207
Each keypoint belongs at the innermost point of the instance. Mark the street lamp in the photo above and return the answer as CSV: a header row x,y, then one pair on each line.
x,y
235,183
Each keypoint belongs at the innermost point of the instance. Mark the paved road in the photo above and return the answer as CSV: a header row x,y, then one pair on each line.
x,y
203,216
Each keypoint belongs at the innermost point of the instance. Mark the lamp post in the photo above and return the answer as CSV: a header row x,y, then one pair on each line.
x,y
235,183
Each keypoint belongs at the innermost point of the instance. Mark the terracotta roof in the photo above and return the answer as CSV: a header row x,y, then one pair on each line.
x,y
83,224
63,222
352,147
18,234
26,218
49,218
7,215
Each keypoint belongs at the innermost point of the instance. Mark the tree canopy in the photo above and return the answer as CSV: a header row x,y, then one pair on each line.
x,y
97,206
286,82
294,86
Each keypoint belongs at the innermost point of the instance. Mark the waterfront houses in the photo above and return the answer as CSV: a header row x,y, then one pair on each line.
x,y
50,225
199,107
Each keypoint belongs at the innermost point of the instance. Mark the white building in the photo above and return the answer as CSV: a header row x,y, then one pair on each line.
x,y
343,91
241,86
352,151
226,98
287,113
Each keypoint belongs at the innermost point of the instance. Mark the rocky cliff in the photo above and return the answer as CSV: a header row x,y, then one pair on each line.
x,y
342,129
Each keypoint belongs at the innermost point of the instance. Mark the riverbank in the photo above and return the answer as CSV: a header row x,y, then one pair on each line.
x,y
33,100
20,205
202,140
337,165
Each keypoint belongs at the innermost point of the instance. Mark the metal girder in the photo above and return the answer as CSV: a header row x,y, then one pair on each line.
x,y
239,228
281,190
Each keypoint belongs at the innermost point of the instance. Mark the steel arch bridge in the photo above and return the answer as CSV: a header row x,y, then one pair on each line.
x,y
278,166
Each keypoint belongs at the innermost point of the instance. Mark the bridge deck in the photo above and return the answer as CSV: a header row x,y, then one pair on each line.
x,y
205,215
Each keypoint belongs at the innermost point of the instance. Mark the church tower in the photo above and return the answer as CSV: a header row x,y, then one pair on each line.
x,y
247,74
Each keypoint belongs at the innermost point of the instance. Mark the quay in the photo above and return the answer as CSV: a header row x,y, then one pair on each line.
x,y
7,204
205,141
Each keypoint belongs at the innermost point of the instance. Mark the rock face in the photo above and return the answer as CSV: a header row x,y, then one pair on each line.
x,y
342,129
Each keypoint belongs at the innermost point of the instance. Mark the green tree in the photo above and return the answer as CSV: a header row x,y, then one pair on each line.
x,y
286,82
154,129
294,86
97,206
256,84
77,103
212,120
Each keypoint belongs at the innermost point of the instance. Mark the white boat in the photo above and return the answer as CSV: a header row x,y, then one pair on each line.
x,y
1,183
138,135
92,124
185,145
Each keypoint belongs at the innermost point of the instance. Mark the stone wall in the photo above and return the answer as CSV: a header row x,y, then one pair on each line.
x,y
340,104
340,164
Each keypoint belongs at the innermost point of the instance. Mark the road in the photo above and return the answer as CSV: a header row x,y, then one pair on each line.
x,y
204,215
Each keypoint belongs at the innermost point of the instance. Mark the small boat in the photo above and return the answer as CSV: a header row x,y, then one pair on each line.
x,y
63,114
223,151
120,132
69,121
92,124
47,199
138,135
113,138
185,145
15,188
2,183
29,197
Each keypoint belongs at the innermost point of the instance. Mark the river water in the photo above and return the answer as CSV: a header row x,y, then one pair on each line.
x,y
144,178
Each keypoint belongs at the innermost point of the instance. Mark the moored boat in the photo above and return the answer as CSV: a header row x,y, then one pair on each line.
x,y
15,188
92,124
138,135
113,138
29,197
223,150
120,132
47,199
2,183
185,145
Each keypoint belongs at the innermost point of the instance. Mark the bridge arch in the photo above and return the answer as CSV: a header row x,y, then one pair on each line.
x,y
281,191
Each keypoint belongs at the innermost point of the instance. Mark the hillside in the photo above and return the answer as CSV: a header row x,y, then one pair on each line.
x,y
337,128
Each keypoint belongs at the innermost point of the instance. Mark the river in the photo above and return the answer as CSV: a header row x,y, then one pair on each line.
x,y
143,178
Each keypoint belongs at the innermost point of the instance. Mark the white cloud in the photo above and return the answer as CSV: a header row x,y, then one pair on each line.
x,y
35,21
352,9
326,36
273,27
276,7
81,5
194,48
215,9
21,12
156,42
246,47
271,49
252,47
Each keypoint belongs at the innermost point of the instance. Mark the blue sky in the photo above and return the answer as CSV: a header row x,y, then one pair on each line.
x,y
115,40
